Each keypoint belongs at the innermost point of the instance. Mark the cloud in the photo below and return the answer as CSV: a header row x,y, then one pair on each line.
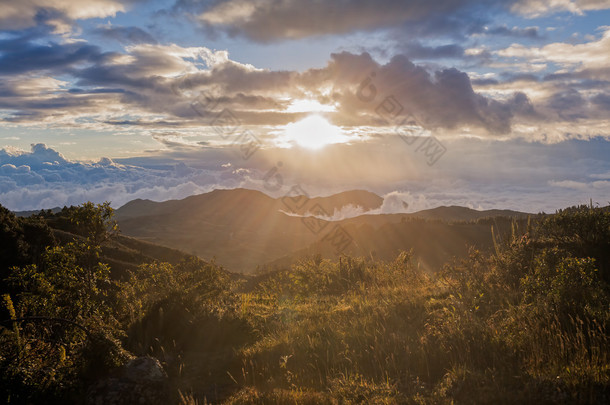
x,y
22,14
22,53
473,173
30,86
602,101
165,80
40,157
569,101
43,178
569,105
538,8
268,20
416,50
586,187
592,54
125,35
442,99
517,32
167,87
394,202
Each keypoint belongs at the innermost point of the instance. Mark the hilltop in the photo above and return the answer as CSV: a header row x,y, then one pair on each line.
x,y
244,228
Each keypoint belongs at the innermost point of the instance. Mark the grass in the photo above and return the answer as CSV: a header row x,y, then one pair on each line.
x,y
527,324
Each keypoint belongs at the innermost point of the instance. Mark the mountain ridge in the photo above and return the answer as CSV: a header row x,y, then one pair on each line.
x,y
244,229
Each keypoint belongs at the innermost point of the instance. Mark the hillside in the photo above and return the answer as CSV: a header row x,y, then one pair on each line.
x,y
25,238
241,228
244,229
433,243
526,323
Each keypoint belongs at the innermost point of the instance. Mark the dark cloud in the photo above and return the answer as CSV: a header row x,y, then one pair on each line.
x,y
27,13
521,104
589,79
443,99
23,53
602,101
125,35
95,91
143,123
568,104
485,82
58,105
415,50
457,25
152,78
268,20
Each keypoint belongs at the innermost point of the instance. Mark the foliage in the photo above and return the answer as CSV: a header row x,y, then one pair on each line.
x,y
527,323
92,221
22,241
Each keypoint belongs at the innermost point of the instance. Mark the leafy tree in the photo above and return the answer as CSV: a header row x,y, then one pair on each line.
x,y
94,221
22,241
61,305
13,247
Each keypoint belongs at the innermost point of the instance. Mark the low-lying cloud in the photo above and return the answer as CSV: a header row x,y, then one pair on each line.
x,y
43,178
538,179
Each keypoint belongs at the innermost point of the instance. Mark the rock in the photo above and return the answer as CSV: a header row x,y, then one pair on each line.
x,y
140,381
145,369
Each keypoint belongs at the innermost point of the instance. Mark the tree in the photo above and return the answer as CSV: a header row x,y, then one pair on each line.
x,y
94,221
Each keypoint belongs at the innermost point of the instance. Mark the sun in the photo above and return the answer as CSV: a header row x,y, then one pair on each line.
x,y
313,132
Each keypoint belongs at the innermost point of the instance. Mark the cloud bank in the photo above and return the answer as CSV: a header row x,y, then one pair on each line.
x,y
513,175
43,178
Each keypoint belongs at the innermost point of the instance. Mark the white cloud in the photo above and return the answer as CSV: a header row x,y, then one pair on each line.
x,y
603,176
582,185
592,54
538,8
474,173
22,13
395,202
43,178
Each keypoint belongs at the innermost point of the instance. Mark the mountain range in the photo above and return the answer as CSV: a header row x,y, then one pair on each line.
x,y
247,229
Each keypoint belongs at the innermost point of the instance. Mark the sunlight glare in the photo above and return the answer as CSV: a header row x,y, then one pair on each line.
x,y
313,132
303,105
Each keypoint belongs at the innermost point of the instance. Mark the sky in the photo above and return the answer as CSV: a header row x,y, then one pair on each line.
x,y
485,104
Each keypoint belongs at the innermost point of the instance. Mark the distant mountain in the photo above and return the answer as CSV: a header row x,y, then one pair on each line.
x,y
34,212
244,228
457,213
240,227
221,199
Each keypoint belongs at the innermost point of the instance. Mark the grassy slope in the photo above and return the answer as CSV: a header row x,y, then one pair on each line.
x,y
527,324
